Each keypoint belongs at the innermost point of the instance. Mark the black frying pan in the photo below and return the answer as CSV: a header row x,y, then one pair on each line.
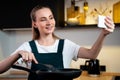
x,y
67,73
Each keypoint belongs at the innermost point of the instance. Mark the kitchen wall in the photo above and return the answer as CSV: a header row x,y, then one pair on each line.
x,y
109,55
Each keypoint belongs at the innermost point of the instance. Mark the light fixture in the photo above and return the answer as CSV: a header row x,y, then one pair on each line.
x,y
85,6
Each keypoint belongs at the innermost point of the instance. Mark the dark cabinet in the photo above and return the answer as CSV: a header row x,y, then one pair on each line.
x,y
16,14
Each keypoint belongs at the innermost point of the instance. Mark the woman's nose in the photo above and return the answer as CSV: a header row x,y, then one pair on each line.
x,y
48,22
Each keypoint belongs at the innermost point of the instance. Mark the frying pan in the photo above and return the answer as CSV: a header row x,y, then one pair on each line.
x,y
66,73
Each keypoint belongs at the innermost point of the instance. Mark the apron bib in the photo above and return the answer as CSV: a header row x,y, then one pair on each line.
x,y
55,59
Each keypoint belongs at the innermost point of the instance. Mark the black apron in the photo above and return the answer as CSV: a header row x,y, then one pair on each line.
x,y
55,59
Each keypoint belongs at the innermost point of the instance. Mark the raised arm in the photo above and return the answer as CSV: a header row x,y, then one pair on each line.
x,y
95,49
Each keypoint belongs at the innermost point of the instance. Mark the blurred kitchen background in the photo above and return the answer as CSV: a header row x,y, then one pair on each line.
x,y
12,38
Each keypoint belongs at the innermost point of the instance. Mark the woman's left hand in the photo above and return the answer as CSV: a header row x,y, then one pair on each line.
x,y
110,25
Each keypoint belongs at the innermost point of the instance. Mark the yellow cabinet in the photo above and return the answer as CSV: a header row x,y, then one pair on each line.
x,y
116,12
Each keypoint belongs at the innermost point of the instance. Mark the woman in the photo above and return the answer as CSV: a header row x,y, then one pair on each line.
x,y
48,48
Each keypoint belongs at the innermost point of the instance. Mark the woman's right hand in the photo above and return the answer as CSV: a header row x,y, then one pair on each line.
x,y
27,56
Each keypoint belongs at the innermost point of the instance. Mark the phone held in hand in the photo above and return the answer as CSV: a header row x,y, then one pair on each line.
x,y
101,21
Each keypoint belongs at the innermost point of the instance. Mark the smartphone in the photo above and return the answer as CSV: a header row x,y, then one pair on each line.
x,y
101,21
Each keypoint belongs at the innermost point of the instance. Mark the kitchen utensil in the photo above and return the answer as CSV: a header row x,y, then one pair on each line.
x,y
66,73
48,67
93,67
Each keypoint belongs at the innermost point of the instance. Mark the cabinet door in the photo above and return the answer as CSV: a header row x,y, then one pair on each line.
x,y
16,13
116,12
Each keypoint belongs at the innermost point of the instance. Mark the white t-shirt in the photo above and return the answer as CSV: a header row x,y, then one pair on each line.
x,y
70,50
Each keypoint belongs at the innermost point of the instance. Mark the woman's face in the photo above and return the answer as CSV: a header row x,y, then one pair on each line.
x,y
45,21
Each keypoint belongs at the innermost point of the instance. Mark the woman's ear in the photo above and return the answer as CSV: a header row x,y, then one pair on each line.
x,y
34,25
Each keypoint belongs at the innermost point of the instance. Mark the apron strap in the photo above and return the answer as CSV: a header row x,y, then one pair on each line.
x,y
33,46
60,46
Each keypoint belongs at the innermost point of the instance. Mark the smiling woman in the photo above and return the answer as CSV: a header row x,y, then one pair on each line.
x,y
46,48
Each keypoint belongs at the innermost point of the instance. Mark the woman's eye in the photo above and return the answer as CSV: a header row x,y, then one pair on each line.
x,y
42,19
51,17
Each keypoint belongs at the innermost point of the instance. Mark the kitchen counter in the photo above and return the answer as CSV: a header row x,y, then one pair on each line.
x,y
102,76
15,75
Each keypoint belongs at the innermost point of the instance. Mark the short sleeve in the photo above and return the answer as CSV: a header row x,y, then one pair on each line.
x,y
72,48
26,47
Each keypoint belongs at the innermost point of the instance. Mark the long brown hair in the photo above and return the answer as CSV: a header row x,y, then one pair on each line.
x,y
35,31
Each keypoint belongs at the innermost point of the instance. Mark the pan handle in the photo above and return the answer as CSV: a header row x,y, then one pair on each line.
x,y
22,68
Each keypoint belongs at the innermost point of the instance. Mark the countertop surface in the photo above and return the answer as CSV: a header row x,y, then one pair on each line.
x,y
102,76
15,74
